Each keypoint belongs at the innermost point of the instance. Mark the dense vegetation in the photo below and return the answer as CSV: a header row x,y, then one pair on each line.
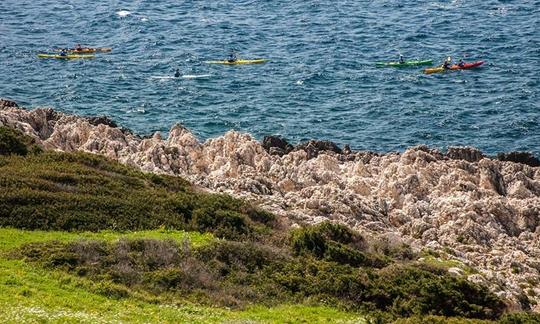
x,y
78,192
256,261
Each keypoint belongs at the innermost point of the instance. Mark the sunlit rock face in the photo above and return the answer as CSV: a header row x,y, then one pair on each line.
x,y
482,211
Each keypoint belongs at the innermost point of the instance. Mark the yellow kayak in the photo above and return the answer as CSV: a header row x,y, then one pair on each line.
x,y
85,50
254,61
434,70
65,57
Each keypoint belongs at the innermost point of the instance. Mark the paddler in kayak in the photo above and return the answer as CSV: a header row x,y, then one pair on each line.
x,y
177,73
63,52
232,57
401,59
461,63
446,63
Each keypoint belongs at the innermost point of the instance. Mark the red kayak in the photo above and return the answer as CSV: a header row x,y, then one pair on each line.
x,y
466,65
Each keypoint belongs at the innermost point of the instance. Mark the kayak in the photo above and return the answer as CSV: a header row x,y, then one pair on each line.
x,y
85,50
465,66
65,57
254,61
186,76
405,64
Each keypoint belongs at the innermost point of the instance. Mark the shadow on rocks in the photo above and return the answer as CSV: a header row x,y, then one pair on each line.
x,y
520,157
104,120
276,145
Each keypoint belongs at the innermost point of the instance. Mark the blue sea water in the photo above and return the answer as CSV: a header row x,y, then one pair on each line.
x,y
321,82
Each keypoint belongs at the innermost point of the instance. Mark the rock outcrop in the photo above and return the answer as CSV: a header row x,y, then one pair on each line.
x,y
483,212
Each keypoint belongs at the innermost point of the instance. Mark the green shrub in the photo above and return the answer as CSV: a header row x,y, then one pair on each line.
x,y
413,290
223,223
14,142
333,242
235,273
520,318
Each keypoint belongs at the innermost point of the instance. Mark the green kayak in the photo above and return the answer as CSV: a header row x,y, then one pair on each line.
x,y
405,64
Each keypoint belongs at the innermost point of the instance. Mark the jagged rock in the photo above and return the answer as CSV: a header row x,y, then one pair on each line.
x,y
466,153
277,151
276,145
314,148
5,103
101,120
520,157
483,212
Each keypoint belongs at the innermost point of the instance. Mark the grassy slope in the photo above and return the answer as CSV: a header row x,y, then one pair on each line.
x,y
91,191
29,293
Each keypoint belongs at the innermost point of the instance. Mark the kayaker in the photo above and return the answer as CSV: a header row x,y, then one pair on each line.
x,y
232,57
177,73
63,52
446,64
78,47
461,63
401,59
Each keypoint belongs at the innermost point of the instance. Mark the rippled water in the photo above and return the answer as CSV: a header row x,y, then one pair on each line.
x,y
321,81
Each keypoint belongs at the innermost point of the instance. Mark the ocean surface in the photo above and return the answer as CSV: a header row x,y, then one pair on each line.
x,y
321,81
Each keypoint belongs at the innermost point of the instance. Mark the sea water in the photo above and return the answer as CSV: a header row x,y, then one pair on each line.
x,y
320,83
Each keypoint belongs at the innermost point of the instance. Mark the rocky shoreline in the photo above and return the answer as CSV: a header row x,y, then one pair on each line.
x,y
481,211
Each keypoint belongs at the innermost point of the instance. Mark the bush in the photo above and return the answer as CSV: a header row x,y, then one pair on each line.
x,y
333,242
234,273
223,223
413,290
14,142
520,318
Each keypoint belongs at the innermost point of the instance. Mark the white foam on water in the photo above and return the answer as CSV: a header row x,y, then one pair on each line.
x,y
123,13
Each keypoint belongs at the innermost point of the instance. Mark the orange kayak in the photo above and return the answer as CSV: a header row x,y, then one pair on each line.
x,y
453,67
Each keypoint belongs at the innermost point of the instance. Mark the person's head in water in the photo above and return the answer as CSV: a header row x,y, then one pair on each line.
x,y
177,73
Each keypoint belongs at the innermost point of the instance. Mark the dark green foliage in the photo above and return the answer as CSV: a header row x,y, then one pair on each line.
x,y
413,290
238,273
231,256
333,242
14,142
85,192
520,318
226,223
432,319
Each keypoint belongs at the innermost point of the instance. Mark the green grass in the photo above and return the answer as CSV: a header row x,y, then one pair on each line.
x,y
11,238
448,263
29,293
